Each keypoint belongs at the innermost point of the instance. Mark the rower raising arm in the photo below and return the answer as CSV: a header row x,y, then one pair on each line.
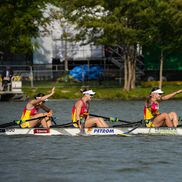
x,y
169,96
152,116
31,111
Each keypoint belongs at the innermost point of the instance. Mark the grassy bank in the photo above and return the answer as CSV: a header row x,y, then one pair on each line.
x,y
68,91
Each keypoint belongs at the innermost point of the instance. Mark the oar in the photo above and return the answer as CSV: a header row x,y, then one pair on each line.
x,y
124,134
8,124
180,118
132,129
15,122
128,132
53,119
62,125
116,119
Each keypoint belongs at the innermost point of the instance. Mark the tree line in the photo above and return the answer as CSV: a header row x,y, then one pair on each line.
x,y
122,23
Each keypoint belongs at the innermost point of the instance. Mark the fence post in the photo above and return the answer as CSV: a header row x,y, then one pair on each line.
x,y
31,76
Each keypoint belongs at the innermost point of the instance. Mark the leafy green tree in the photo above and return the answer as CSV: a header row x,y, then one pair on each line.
x,y
162,27
19,23
111,23
126,24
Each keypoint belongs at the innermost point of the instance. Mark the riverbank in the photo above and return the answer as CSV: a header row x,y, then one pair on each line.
x,y
63,92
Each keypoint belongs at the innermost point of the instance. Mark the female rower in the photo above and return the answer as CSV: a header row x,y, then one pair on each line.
x,y
152,116
31,111
80,115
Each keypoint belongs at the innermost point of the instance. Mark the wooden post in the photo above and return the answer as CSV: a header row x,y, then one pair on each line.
x,y
31,77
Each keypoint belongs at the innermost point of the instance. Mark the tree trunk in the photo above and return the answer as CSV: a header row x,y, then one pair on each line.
x,y
133,81
161,69
125,73
66,57
133,74
129,70
129,74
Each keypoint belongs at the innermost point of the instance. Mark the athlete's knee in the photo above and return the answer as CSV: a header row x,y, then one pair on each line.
x,y
173,114
97,121
42,121
101,119
164,114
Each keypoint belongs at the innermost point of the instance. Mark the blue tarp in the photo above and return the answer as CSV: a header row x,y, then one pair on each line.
x,y
83,72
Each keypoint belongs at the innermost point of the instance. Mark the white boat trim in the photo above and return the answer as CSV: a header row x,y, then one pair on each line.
x,y
91,131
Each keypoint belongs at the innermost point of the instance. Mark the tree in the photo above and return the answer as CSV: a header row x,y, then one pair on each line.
x,y
162,25
66,36
19,23
108,23
127,24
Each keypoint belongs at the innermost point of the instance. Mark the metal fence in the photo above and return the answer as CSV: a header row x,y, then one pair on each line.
x,y
51,72
54,72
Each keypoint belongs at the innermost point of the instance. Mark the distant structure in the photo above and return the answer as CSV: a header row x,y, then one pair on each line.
x,y
59,43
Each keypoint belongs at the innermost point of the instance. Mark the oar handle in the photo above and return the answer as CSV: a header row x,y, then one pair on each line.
x,y
17,122
31,119
112,119
95,115
62,125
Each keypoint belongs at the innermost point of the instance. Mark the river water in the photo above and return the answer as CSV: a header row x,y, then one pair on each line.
x,y
87,159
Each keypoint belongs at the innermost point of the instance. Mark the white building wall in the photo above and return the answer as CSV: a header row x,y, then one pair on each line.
x,y
52,45
43,55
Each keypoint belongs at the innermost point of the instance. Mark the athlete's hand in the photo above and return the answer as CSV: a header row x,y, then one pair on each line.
x,y
53,91
49,114
178,92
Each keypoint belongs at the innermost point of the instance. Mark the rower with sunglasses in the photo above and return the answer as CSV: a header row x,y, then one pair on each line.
x,y
152,116
80,112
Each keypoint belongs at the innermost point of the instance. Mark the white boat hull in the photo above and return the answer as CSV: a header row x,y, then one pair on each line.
x,y
90,131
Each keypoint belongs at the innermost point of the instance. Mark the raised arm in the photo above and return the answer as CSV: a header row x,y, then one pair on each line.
x,y
168,96
47,96
41,99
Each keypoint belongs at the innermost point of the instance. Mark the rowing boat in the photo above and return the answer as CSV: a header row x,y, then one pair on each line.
x,y
91,131
61,131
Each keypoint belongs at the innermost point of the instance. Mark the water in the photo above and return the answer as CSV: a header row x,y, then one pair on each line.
x,y
137,158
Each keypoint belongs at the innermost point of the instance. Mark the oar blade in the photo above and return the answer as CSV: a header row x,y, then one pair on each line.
x,y
123,135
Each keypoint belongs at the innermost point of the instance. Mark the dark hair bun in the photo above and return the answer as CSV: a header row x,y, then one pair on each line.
x,y
83,89
39,95
155,88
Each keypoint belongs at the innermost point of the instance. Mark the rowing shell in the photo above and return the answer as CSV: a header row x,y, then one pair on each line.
x,y
91,131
